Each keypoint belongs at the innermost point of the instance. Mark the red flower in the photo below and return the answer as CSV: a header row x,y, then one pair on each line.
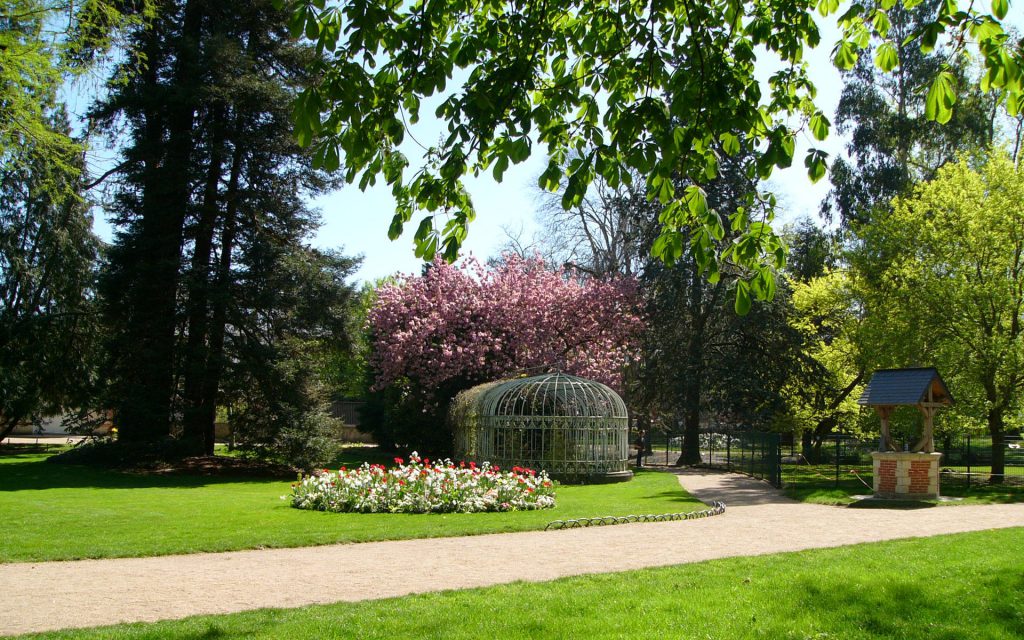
x,y
399,461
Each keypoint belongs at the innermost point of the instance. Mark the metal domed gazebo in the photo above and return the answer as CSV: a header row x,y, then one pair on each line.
x,y
575,429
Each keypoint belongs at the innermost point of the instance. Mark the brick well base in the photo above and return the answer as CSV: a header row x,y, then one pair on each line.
x,y
906,476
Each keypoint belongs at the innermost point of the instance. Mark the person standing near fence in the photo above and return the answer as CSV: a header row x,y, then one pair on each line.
x,y
643,442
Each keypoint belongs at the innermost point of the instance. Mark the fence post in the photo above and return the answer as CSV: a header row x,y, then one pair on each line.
x,y
728,452
968,461
778,463
753,452
837,460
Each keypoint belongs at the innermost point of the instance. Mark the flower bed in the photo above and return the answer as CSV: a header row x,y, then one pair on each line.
x,y
422,487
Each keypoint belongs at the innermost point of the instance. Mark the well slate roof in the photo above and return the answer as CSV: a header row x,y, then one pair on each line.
x,y
889,387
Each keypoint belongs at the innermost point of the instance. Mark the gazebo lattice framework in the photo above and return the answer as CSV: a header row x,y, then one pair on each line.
x,y
575,429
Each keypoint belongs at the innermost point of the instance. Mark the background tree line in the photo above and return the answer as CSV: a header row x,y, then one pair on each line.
x,y
210,297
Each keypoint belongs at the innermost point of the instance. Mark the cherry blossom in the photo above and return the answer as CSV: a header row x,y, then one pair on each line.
x,y
469,323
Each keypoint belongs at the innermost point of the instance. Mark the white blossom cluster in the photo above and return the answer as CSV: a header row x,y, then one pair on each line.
x,y
422,487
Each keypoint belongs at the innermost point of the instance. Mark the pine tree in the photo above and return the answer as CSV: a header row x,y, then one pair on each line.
x,y
211,178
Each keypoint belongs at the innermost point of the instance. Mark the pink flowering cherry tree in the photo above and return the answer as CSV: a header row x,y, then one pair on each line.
x,y
459,325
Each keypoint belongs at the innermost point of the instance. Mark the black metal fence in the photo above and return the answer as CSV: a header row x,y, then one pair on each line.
x,y
753,453
966,458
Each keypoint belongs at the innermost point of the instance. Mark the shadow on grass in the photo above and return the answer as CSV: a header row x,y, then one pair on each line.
x,y
890,606
32,473
25,468
988,493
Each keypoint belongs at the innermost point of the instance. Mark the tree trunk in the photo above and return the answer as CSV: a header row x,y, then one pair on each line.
x,y
7,426
221,294
145,413
807,447
693,385
197,425
691,420
995,429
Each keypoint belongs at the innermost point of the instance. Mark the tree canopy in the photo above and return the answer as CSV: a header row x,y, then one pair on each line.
x,y
608,87
945,272
893,143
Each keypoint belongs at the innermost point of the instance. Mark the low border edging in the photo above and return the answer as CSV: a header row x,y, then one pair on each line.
x,y
717,509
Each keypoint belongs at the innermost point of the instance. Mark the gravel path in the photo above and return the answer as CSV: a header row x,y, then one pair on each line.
x,y
758,520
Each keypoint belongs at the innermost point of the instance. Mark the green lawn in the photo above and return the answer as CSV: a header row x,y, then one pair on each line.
x,y
957,587
816,483
60,512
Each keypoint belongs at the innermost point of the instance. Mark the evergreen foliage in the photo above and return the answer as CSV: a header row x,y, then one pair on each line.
x,y
48,253
893,141
210,287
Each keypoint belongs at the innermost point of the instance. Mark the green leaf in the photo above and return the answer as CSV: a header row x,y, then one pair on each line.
x,y
548,181
312,26
1013,104
297,23
668,246
816,164
941,98
826,7
519,150
844,56
887,58
666,190
696,201
1000,8
425,228
819,125
931,36
331,159
743,301
395,230
303,135
500,165
780,150
881,24
730,143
